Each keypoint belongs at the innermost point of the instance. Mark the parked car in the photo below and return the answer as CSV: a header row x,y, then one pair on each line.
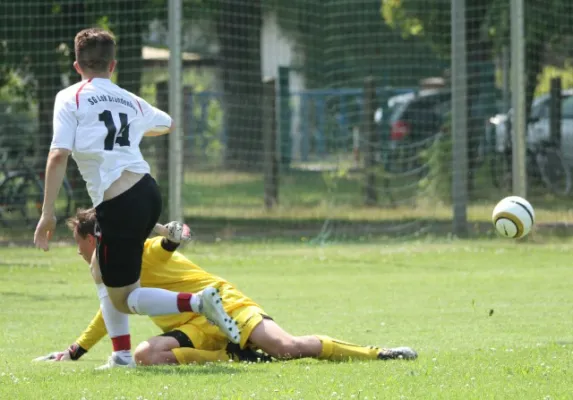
x,y
383,115
419,117
538,126
544,160
410,119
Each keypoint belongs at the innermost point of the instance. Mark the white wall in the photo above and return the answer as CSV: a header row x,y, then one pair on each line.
x,y
277,49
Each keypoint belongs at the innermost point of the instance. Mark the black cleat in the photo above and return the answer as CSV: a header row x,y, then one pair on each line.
x,y
237,354
397,353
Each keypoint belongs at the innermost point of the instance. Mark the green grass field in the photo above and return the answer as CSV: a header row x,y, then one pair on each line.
x,y
490,320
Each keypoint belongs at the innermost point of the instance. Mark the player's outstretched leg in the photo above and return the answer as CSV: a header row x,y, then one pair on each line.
x,y
337,350
212,307
275,341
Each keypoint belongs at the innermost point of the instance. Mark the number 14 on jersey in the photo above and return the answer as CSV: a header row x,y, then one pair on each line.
x,y
113,136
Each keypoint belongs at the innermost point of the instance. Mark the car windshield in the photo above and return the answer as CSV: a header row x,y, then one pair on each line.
x,y
567,108
397,111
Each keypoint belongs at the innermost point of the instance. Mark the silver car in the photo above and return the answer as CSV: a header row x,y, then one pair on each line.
x,y
538,127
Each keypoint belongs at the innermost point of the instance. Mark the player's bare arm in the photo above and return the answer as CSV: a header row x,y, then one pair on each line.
x,y
159,131
55,172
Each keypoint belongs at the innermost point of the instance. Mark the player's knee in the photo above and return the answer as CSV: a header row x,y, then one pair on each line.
x,y
120,304
143,354
146,354
118,297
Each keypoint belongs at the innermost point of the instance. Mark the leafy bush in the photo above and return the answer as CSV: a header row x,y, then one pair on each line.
x,y
17,119
437,185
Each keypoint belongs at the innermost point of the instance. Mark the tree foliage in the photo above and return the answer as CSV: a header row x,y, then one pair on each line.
x,y
37,48
488,21
487,30
343,41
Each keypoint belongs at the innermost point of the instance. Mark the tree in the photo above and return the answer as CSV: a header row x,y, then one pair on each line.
x,y
487,29
415,18
128,20
239,25
343,41
47,60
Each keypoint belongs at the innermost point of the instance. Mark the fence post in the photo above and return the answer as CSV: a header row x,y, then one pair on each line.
x,y
285,116
162,149
369,132
555,111
270,159
518,89
459,119
175,164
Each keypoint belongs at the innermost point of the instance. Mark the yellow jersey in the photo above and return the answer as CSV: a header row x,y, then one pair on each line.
x,y
170,270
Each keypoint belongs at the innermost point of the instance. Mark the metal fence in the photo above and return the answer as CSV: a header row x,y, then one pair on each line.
x,y
311,118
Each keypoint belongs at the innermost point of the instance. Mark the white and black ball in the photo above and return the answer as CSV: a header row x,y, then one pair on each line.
x,y
513,217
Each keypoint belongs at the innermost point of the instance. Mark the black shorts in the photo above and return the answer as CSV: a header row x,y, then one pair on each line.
x,y
181,338
123,224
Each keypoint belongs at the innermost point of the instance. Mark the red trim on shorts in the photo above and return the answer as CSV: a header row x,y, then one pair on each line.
x,y
140,109
121,342
184,302
78,92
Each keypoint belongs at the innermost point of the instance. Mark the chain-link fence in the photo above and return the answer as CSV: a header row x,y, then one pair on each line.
x,y
308,118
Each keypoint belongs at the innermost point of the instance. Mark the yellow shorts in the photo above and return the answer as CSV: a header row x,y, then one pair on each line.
x,y
206,336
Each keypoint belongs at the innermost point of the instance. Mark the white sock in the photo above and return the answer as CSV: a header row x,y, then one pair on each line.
x,y
154,301
116,323
123,354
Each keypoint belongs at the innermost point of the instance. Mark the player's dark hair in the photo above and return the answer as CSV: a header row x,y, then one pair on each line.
x,y
95,49
83,222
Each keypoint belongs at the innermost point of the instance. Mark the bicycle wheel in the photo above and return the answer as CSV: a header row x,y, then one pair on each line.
x,y
555,173
21,200
65,200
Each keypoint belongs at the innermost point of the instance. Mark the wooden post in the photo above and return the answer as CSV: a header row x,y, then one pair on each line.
x,y
271,161
285,116
555,111
162,149
187,128
369,132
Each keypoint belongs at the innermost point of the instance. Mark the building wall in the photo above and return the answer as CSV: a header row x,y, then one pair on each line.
x,y
278,50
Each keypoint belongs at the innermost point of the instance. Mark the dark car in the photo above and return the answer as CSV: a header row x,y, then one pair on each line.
x,y
419,117
411,123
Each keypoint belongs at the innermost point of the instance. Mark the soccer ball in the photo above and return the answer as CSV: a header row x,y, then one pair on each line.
x,y
513,217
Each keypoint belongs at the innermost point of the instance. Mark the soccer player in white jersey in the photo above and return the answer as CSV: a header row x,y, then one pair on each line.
x,y
102,125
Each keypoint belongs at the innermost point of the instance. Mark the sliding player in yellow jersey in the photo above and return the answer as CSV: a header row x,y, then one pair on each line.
x,y
189,337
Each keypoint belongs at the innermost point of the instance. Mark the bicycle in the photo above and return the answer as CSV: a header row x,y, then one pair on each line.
x,y
22,193
546,155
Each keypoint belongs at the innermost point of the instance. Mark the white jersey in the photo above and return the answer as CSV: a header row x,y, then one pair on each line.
x,y
102,125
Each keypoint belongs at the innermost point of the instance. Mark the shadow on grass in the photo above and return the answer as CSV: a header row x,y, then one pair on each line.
x,y
224,368
219,368
30,296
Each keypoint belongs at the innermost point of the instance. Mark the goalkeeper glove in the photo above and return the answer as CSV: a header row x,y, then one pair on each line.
x,y
179,233
72,353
